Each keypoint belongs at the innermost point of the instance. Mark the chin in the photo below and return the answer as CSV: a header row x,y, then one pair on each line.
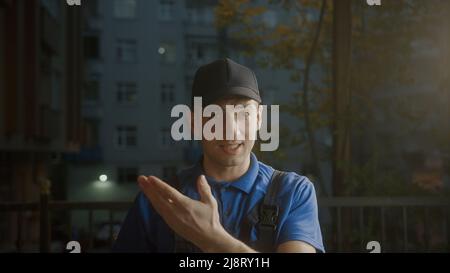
x,y
230,161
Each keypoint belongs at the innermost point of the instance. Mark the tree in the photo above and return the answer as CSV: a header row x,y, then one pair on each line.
x,y
292,45
375,64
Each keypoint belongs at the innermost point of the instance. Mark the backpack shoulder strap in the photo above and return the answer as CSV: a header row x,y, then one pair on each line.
x,y
273,188
265,216
268,213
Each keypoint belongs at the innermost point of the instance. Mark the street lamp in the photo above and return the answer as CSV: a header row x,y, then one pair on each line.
x,y
103,178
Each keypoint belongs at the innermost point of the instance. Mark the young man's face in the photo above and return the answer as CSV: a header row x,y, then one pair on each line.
x,y
234,152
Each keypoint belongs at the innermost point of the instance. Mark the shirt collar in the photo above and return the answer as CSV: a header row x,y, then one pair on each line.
x,y
244,183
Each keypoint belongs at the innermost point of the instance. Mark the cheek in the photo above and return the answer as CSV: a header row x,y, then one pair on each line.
x,y
248,145
251,130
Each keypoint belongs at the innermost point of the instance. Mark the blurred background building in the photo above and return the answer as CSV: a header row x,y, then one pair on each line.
x,y
41,77
86,93
140,60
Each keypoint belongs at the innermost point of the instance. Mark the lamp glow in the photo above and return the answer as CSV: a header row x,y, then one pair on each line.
x,y
103,178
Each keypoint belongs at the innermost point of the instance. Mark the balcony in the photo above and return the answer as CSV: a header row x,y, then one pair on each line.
x,y
85,155
423,225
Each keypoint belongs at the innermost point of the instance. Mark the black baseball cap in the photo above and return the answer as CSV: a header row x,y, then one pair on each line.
x,y
223,78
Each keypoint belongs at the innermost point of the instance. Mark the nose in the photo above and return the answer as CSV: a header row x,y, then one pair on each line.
x,y
234,128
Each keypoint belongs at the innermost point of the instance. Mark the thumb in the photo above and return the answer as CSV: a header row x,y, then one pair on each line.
x,y
204,190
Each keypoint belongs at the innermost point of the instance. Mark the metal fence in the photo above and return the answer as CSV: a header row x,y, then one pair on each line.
x,y
348,223
400,224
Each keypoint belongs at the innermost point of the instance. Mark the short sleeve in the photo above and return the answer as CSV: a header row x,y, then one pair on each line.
x,y
302,220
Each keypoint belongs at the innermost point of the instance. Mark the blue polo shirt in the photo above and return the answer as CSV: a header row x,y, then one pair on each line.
x,y
145,231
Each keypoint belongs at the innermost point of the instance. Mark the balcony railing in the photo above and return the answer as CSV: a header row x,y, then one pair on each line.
x,y
400,224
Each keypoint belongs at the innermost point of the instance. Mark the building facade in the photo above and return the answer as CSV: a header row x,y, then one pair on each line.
x,y
40,90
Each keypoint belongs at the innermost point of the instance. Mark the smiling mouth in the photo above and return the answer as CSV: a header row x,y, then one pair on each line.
x,y
231,148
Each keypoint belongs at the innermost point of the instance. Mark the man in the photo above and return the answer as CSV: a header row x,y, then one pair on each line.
x,y
210,206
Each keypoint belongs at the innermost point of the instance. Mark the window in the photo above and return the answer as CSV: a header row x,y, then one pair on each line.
x,y
167,52
91,47
126,92
166,10
126,136
125,9
92,90
127,175
126,50
166,138
199,52
192,15
200,15
167,93
208,16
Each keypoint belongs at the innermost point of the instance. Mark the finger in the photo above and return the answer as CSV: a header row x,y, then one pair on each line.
x,y
160,203
164,206
149,189
205,190
167,191
148,186
142,179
